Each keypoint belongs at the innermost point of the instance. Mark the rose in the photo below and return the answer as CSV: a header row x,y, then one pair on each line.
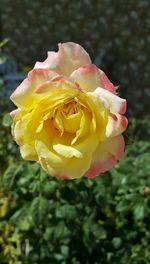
x,y
69,117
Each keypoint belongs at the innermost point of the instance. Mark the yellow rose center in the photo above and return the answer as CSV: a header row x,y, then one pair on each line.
x,y
67,117
70,114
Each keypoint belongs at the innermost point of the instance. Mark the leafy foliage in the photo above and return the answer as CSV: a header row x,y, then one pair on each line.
x,y
105,220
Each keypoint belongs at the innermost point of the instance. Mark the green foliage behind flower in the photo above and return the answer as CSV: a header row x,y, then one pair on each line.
x,y
104,220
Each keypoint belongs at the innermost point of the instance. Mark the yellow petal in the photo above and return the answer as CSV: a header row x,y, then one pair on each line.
x,y
72,122
28,152
56,165
58,123
84,126
25,95
100,114
67,151
76,167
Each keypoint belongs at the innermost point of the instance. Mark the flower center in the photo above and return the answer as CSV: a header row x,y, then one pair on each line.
x,y
67,118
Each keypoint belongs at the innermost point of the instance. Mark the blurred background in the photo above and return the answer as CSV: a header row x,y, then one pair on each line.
x,y
114,33
89,222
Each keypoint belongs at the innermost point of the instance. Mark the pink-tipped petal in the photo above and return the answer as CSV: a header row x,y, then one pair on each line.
x,y
51,61
106,83
97,169
89,77
24,95
14,112
106,156
116,104
116,125
69,57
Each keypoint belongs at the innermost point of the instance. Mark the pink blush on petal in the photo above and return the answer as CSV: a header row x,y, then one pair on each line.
x,y
124,122
14,112
107,84
118,120
120,151
123,107
100,168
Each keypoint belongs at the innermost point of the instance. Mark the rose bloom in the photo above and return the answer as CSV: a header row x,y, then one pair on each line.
x,y
69,117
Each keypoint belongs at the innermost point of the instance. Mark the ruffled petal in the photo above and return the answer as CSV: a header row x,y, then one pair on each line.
x,y
78,149
14,112
22,137
28,152
116,104
69,57
106,156
24,132
89,77
58,165
76,167
116,125
25,94
106,83
67,151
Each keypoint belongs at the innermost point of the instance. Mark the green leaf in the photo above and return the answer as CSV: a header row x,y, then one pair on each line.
x,y
65,251
61,231
50,187
122,206
116,241
99,232
139,211
10,175
66,211
7,120
20,218
39,210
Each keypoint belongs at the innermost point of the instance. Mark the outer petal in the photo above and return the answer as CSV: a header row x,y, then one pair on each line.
x,y
23,137
56,164
28,152
116,125
106,156
116,104
25,93
89,77
14,112
106,83
69,57
74,169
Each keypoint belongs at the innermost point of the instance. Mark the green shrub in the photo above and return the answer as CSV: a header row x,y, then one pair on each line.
x,y
104,220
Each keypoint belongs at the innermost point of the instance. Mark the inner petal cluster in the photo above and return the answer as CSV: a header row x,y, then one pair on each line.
x,y
67,118
70,120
